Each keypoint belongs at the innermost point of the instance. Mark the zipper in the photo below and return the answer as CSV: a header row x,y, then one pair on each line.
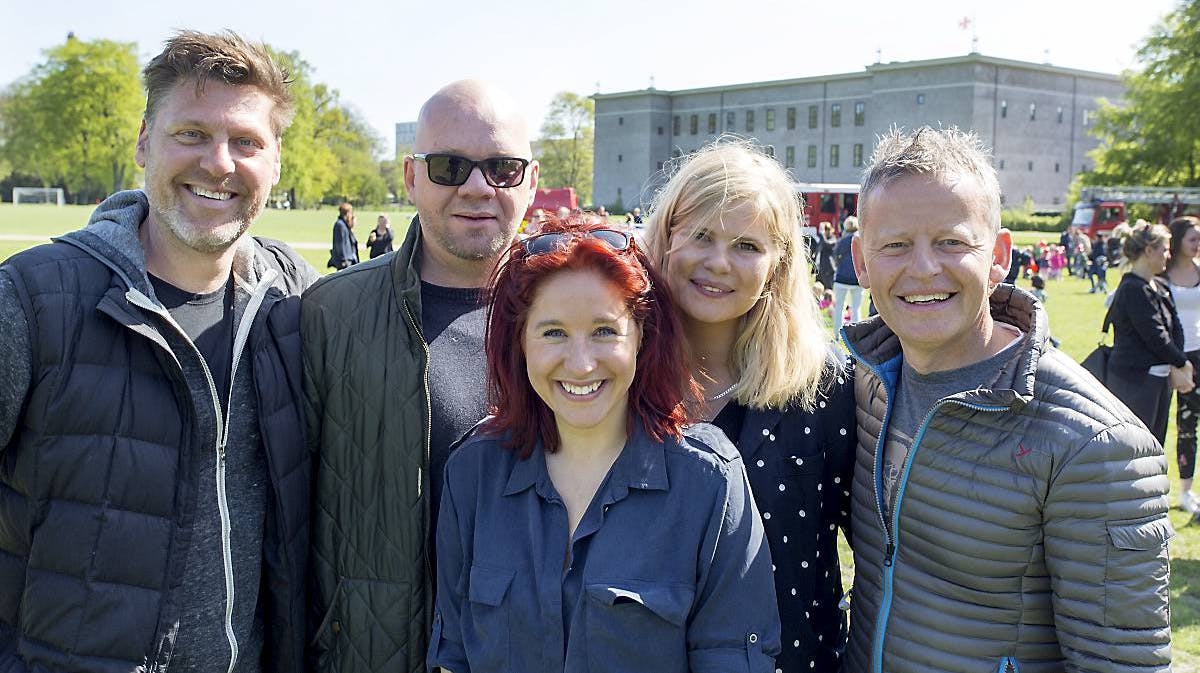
x,y
891,535
428,426
1008,665
136,298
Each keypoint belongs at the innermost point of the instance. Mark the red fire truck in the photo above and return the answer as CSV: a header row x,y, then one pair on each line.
x,y
828,202
1102,208
550,200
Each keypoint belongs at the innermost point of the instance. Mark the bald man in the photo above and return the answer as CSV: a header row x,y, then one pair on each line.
x,y
394,373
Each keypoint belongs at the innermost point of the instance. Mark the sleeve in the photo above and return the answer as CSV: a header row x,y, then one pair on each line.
x,y
16,358
841,443
446,644
1143,310
1105,531
734,625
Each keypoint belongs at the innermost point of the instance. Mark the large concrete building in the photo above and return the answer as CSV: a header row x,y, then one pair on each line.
x,y
1035,117
406,135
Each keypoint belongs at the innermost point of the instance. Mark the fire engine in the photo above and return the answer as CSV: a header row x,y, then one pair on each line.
x,y
827,202
1102,208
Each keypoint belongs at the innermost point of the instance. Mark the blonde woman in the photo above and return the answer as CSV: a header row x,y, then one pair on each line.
x,y
725,231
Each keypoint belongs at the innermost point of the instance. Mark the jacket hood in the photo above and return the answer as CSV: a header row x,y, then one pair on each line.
x,y
875,345
111,236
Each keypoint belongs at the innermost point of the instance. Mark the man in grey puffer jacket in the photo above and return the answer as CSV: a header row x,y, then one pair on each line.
x,y
1009,513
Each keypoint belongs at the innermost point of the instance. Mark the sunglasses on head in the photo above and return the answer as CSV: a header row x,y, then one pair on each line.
x,y
549,242
452,170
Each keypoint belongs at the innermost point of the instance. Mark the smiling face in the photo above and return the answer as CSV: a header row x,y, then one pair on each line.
x,y
581,346
717,271
930,259
211,161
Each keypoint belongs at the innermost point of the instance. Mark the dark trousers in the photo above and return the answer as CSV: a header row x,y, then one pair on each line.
x,y
1187,412
1148,397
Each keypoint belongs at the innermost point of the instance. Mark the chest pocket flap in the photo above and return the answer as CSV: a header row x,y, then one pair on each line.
x,y
488,585
671,602
1140,535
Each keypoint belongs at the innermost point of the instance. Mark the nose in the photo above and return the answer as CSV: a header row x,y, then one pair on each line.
x,y
217,160
923,262
717,259
579,360
476,184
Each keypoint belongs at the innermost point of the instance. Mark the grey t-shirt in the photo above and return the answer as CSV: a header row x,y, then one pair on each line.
x,y
916,394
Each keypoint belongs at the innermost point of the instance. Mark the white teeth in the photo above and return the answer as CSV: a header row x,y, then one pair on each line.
x,y
580,390
200,191
709,288
925,298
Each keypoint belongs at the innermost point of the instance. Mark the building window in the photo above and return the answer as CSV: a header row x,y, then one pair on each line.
x,y
1033,112
660,165
694,124
789,156
730,121
619,158
675,125
1003,109
1060,114
770,119
1030,166
858,157
1055,166
749,121
834,156
920,99
860,113
791,118
1083,168
812,156
660,130
1001,164
812,116
770,151
620,121
1087,117
835,114
712,122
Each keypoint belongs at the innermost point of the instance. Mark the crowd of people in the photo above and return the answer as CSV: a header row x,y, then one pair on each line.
x,y
571,450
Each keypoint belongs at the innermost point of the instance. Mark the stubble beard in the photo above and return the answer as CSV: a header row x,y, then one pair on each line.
x,y
207,240
473,248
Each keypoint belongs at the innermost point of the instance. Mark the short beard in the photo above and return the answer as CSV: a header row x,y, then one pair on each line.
x,y
209,241
491,248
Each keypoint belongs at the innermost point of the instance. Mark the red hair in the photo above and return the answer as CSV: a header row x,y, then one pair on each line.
x,y
662,385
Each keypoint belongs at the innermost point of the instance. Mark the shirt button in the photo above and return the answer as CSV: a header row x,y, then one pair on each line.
x,y
753,638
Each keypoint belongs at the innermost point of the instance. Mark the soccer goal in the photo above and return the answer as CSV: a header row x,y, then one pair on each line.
x,y
52,195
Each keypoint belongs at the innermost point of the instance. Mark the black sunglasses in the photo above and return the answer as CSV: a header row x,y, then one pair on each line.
x,y
452,170
544,243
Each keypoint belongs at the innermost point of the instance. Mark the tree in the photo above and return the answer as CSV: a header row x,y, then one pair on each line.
x,y
1154,138
565,152
308,166
73,120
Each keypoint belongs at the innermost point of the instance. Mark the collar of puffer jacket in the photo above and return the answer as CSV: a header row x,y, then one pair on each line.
x,y
877,347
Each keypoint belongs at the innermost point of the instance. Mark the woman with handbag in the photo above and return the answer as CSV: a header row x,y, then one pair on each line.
x,y
1183,277
1147,359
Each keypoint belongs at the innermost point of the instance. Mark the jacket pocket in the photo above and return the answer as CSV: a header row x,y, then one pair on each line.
x,y
485,618
637,623
1136,573
360,608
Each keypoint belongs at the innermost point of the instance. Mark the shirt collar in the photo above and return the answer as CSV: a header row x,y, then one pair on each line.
x,y
642,465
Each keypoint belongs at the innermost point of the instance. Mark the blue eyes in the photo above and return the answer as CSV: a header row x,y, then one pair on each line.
x,y
559,333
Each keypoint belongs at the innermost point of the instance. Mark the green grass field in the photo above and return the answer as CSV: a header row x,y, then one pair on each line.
x,y
1075,317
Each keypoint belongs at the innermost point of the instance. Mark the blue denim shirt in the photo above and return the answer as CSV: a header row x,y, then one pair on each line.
x,y
669,570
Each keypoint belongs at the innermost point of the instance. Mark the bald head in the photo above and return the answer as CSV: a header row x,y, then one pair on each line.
x,y
466,227
472,102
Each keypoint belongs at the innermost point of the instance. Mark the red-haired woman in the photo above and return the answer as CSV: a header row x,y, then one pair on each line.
x,y
582,527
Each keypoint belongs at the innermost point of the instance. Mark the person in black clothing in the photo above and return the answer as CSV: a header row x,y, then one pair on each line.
x,y
345,246
723,230
380,238
1098,266
824,244
1147,360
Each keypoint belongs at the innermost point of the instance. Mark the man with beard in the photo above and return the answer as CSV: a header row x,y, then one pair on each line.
x,y
390,388
153,477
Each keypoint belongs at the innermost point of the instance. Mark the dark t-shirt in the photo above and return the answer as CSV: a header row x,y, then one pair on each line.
x,y
452,322
207,319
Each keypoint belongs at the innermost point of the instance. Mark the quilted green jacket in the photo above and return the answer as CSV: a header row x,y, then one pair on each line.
x,y
368,416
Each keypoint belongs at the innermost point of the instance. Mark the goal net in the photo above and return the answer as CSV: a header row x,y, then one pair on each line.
x,y
52,195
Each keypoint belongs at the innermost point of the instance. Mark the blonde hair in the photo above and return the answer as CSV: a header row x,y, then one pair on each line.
x,y
780,354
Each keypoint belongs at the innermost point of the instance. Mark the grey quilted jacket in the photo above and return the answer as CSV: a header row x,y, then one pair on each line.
x,y
1030,530
368,413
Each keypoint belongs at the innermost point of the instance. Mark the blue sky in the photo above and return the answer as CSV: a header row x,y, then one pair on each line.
x,y
387,56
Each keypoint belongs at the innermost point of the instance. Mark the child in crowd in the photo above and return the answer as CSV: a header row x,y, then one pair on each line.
x,y
1039,287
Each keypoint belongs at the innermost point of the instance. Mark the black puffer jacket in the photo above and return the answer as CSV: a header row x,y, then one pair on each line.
x,y
96,499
